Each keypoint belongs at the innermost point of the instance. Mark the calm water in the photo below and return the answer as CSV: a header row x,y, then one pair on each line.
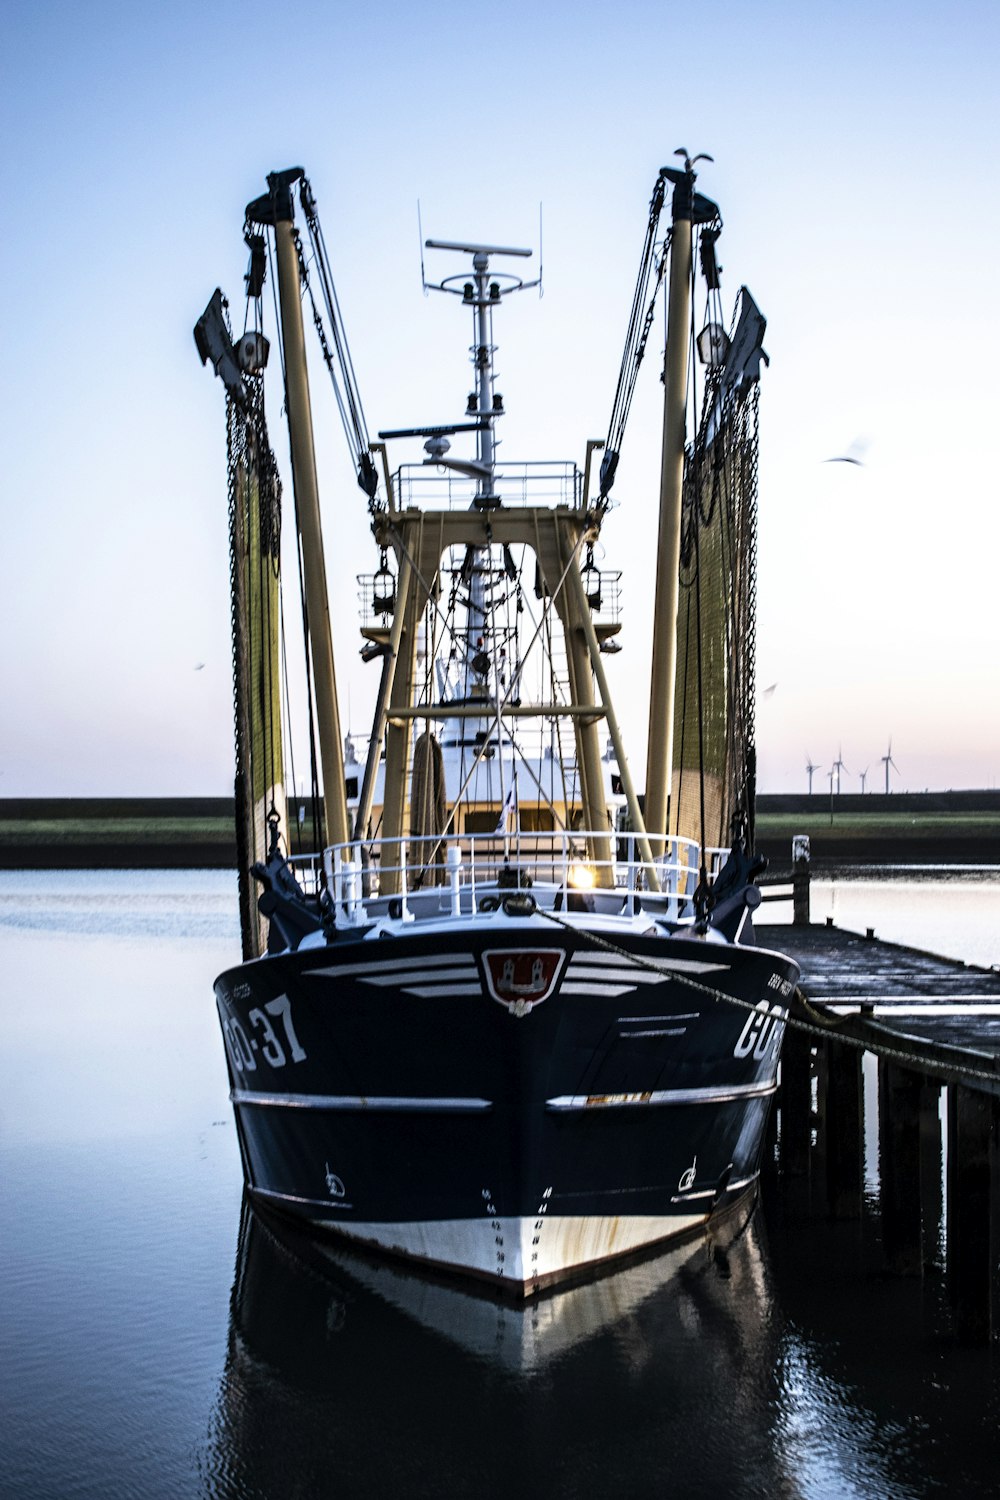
x,y
159,1341
954,911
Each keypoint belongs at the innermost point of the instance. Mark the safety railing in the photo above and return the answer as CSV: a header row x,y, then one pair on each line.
x,y
546,483
573,870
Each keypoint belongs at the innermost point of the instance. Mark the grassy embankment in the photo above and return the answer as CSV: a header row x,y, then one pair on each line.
x,y
883,837
136,833
127,842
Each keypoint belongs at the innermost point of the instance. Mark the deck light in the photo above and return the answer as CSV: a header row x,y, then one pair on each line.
x,y
712,344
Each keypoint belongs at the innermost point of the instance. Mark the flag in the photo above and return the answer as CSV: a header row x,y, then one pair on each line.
x,y
509,804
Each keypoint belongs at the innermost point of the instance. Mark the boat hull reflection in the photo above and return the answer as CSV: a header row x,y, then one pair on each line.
x,y
371,1378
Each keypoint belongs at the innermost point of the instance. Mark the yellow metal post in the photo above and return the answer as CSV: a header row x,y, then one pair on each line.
x,y
664,657
574,611
331,744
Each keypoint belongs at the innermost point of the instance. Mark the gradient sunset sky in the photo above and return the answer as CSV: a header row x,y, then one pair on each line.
x,y
856,165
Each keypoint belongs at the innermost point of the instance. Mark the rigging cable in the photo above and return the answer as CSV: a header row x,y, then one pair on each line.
x,y
636,338
346,390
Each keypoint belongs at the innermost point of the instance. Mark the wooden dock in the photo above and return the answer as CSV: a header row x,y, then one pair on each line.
x,y
838,965
933,1024
909,991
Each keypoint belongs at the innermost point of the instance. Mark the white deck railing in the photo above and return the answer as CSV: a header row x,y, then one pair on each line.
x,y
544,483
424,877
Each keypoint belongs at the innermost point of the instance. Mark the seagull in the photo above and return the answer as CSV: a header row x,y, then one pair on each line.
x,y
768,692
854,455
199,666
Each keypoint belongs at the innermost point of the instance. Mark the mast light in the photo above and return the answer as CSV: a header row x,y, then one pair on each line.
x,y
713,345
383,589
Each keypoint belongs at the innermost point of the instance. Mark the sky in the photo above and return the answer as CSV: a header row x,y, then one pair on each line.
x,y
856,150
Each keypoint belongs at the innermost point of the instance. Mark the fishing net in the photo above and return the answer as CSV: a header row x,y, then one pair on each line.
x,y
713,746
254,542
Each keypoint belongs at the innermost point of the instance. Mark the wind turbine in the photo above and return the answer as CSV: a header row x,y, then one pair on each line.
x,y
839,766
810,768
888,761
863,774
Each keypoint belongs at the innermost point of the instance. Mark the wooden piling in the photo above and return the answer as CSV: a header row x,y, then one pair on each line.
x,y
769,1153
841,1125
800,892
899,1168
931,1198
796,1104
972,1213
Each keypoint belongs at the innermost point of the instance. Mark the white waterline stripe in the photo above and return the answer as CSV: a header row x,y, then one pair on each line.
x,y
661,1096
360,1102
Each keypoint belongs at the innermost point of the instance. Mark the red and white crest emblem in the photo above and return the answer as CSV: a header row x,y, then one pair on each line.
x,y
521,980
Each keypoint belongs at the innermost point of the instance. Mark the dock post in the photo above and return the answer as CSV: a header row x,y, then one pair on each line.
x,y
769,1153
796,1104
841,1109
972,1209
800,880
899,1168
931,1200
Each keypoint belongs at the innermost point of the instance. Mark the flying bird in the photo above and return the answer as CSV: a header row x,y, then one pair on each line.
x,y
855,454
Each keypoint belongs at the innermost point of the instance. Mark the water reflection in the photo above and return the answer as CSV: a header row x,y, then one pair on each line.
x,y
950,910
350,1375
719,1369
785,1365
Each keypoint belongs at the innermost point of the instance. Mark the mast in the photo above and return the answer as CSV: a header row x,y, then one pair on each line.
x,y
481,294
659,760
475,703
486,497
276,208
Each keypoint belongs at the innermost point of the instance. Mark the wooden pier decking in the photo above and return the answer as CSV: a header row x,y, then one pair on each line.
x,y
838,965
933,1024
921,994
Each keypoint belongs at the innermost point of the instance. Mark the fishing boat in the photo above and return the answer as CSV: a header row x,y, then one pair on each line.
x,y
507,1018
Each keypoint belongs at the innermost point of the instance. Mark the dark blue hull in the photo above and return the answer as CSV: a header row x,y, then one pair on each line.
x,y
511,1104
